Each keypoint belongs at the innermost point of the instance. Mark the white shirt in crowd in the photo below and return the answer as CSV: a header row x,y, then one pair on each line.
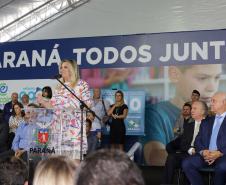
x,y
196,131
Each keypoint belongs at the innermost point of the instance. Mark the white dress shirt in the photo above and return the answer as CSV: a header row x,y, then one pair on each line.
x,y
196,131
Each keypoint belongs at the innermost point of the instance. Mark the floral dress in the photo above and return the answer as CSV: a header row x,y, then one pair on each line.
x,y
67,121
14,123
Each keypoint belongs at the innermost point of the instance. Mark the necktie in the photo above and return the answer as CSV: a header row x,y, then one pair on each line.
x,y
213,139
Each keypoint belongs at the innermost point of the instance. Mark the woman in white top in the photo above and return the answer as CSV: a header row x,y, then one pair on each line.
x,y
17,117
15,120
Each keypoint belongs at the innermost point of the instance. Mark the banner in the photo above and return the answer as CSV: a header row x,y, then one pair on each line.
x,y
39,59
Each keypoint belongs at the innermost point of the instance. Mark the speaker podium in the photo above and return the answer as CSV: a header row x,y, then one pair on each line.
x,y
56,132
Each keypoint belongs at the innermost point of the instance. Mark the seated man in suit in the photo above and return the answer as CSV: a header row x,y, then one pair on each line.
x,y
199,112
184,118
210,145
7,111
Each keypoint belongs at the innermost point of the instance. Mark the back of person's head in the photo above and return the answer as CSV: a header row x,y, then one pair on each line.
x,y
13,171
58,170
111,167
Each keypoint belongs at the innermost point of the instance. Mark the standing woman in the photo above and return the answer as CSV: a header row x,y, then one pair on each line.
x,y
63,100
118,112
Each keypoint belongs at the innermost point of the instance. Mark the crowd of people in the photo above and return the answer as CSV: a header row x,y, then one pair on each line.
x,y
197,138
105,166
200,143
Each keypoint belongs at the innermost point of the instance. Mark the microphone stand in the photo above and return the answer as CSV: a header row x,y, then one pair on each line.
x,y
82,106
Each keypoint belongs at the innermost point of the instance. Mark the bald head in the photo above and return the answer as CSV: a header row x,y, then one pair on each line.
x,y
218,102
14,97
96,93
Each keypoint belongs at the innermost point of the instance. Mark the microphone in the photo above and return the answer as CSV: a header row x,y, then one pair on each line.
x,y
58,76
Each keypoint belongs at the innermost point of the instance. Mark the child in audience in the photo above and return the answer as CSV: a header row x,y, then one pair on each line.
x,y
95,132
89,138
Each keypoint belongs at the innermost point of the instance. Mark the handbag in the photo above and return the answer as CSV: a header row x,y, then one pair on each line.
x,y
106,119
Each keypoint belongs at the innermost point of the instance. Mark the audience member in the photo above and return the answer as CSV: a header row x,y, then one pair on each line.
x,y
47,92
15,120
21,141
210,145
99,105
118,111
7,111
89,136
195,95
184,118
108,167
58,170
4,133
13,171
161,117
199,112
25,100
95,132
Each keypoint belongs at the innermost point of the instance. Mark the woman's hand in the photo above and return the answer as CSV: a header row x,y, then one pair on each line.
x,y
115,116
14,126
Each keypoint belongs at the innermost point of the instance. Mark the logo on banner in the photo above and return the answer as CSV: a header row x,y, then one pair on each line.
x,y
30,91
3,88
133,124
42,140
43,136
4,98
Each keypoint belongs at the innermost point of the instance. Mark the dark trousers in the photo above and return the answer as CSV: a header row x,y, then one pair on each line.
x,y
192,164
173,162
92,142
174,145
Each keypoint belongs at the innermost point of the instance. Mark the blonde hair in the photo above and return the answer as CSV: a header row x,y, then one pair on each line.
x,y
74,71
122,95
59,170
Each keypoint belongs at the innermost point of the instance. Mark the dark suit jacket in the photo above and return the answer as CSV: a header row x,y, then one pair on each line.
x,y
4,134
202,140
187,136
7,112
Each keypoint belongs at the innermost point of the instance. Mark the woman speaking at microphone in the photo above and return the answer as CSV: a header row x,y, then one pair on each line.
x,y
63,100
